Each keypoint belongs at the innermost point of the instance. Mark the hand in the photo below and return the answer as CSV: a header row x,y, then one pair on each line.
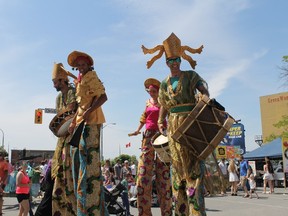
x,y
75,82
135,133
162,129
86,114
71,127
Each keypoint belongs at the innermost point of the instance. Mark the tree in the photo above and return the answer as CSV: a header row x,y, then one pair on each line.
x,y
284,68
3,151
283,123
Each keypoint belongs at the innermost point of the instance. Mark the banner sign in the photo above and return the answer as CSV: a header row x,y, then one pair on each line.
x,y
234,143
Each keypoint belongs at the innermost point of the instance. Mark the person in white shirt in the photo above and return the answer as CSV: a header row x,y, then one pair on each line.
x,y
133,168
224,177
252,184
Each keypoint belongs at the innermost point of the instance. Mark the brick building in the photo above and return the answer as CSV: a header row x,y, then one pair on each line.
x,y
39,155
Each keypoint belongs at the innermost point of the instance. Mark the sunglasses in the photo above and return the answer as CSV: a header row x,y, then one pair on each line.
x,y
171,61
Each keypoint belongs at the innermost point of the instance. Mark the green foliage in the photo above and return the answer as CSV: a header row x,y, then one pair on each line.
x,y
285,58
283,123
2,150
271,137
122,158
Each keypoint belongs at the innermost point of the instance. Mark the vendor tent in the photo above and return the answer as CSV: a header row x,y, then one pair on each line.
x,y
272,149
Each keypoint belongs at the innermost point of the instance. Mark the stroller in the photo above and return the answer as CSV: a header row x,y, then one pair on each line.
x,y
111,197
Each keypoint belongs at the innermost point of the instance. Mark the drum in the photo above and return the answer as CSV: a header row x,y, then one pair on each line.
x,y
161,147
60,123
204,128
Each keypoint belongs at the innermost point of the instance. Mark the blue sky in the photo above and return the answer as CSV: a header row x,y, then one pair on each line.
x,y
244,42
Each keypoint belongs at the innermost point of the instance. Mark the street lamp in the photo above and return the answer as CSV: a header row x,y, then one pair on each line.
x,y
101,141
258,139
2,137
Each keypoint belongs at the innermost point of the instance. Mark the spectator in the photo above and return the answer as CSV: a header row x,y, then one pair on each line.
x,y
133,168
252,184
35,176
22,190
124,195
9,182
107,166
117,171
233,177
268,175
244,175
108,179
224,177
125,169
45,207
3,177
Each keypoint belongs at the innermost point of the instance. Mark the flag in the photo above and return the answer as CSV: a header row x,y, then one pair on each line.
x,y
128,145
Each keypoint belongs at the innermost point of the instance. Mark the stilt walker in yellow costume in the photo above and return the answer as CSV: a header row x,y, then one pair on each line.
x,y
177,99
88,180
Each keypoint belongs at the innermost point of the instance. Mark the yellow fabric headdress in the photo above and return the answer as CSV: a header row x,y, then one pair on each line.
x,y
58,72
172,48
73,56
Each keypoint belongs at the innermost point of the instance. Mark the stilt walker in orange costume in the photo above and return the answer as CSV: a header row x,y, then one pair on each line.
x,y
149,163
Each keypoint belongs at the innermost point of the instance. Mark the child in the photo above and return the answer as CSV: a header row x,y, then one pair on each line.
x,y
124,195
252,185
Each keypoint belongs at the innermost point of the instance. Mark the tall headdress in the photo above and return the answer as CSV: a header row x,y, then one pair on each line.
x,y
172,48
58,72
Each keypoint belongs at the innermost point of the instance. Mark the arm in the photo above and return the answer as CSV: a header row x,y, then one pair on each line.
x,y
142,123
4,180
135,133
203,90
162,116
96,103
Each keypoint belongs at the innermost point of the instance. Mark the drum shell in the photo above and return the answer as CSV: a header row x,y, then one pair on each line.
x,y
203,129
161,147
60,123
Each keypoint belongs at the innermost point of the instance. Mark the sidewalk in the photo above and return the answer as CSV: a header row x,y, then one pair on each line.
x,y
267,204
11,206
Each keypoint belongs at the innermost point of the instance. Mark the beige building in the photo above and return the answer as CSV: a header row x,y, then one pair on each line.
x,y
273,107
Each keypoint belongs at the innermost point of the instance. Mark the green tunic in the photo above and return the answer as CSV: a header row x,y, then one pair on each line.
x,y
178,98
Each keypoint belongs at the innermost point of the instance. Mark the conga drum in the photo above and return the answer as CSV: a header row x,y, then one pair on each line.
x,y
204,128
161,147
60,123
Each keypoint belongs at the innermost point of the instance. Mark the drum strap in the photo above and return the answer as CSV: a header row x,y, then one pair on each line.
x,y
182,108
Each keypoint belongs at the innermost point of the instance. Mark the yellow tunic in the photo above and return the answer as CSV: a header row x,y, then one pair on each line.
x,y
89,87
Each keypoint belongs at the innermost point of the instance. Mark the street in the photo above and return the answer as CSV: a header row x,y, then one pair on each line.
x,y
267,204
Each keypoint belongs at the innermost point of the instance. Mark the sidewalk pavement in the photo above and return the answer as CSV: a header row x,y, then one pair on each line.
x,y
267,204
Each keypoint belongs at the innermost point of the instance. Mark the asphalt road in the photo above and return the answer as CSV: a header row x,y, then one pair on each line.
x,y
268,204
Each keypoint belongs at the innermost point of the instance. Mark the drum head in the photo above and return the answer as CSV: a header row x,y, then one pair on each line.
x,y
63,130
161,141
60,123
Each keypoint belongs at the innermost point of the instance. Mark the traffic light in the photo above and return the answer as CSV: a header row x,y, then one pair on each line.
x,y
38,116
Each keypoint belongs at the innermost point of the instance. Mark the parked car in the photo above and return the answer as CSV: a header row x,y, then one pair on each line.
x,y
279,176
